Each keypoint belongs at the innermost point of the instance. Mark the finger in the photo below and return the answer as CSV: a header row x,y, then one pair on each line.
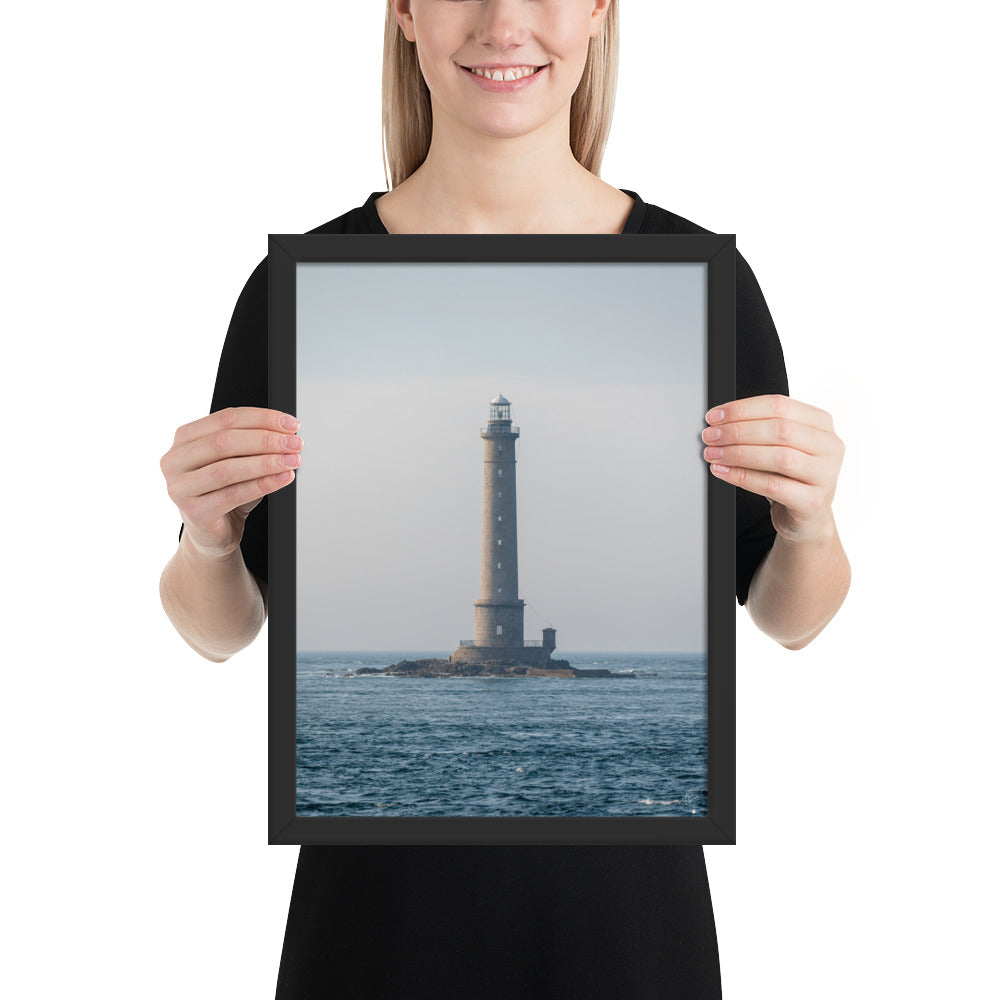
x,y
783,433
237,417
789,462
779,489
230,472
230,443
770,407
212,507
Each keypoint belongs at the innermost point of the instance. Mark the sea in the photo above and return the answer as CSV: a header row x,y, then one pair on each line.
x,y
375,745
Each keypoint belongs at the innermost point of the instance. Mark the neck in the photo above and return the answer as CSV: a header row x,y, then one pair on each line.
x,y
489,184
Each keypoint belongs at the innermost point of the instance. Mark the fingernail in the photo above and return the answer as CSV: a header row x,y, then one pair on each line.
x,y
291,441
717,414
720,470
289,423
711,453
711,433
291,460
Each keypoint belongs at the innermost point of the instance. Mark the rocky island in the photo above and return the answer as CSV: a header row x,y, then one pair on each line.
x,y
497,668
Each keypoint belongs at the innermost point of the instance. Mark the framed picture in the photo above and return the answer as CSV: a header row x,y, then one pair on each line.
x,y
501,587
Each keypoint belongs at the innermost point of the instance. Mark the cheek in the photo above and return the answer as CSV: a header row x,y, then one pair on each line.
x,y
439,38
433,62
571,20
566,28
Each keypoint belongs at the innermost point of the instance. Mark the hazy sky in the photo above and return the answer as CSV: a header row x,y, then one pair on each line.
x,y
604,365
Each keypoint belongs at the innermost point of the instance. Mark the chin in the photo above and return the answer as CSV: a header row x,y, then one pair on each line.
x,y
502,125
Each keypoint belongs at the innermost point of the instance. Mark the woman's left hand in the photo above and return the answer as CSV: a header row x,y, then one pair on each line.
x,y
783,450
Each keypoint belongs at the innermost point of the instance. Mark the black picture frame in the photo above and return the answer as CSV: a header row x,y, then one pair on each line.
x,y
285,825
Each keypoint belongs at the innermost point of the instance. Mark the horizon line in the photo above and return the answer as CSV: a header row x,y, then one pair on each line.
x,y
587,652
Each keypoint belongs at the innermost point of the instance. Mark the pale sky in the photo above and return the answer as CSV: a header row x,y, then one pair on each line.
x,y
604,365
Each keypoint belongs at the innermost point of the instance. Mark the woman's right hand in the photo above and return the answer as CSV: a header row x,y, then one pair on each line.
x,y
221,466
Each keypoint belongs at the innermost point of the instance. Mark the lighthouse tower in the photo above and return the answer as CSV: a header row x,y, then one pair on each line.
x,y
499,611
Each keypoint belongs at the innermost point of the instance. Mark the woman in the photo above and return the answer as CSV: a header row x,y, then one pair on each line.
x,y
496,113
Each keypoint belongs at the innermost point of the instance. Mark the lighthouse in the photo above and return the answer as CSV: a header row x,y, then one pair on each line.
x,y
500,610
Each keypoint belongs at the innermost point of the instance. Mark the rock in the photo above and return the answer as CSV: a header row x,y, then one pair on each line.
x,y
446,668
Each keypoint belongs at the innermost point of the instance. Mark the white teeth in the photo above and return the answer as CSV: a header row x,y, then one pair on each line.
x,y
507,75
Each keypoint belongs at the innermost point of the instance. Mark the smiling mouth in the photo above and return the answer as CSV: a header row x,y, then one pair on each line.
x,y
504,74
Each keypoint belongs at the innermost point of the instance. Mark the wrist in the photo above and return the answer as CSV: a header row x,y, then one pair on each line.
x,y
819,533
203,555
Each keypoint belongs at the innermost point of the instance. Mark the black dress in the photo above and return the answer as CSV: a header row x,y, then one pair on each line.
x,y
511,923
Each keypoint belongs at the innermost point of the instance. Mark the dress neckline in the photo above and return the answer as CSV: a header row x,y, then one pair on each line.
x,y
633,224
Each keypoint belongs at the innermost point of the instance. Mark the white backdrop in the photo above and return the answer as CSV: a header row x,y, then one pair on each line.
x,y
151,148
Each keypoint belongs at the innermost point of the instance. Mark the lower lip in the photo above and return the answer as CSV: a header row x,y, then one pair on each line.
x,y
502,86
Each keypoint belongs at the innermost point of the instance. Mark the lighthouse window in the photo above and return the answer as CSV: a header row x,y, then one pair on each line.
x,y
499,472
499,447
499,495
499,629
499,590
498,565
499,517
499,541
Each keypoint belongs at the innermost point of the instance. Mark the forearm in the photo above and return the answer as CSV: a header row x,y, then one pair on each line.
x,y
213,602
798,588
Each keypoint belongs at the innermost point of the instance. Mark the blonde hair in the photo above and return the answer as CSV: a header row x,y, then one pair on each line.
x,y
406,101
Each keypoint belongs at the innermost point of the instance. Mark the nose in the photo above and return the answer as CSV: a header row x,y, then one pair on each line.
x,y
503,24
